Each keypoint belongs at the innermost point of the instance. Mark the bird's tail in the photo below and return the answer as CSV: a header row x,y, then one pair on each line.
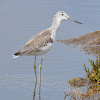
x,y
17,54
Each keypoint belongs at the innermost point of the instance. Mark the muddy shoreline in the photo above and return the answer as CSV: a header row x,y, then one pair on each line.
x,y
90,43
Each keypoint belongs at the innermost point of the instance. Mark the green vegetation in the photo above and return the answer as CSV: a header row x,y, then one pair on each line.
x,y
94,74
86,89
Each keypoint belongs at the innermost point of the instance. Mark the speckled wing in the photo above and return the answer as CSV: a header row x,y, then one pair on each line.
x,y
34,43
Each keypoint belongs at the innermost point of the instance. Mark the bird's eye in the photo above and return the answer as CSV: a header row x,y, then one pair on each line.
x,y
62,14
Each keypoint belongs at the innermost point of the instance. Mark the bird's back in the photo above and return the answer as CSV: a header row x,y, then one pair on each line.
x,y
35,43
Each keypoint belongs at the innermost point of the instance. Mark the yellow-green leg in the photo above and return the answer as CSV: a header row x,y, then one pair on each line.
x,y
40,69
39,90
34,91
35,69
40,79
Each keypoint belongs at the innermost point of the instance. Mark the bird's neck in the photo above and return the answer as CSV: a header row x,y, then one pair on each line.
x,y
55,27
56,24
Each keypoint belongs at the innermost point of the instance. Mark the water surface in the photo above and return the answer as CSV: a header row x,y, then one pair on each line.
x,y
19,20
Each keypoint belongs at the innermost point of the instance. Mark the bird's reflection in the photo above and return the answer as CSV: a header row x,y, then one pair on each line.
x,y
40,90
34,93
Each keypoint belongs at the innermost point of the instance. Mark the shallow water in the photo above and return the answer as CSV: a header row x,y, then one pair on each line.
x,y
19,20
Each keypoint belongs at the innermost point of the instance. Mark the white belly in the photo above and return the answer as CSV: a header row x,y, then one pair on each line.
x,y
45,49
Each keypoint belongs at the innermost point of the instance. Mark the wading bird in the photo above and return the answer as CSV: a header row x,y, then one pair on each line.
x,y
42,42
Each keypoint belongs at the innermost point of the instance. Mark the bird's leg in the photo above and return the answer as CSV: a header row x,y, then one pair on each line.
x,y
34,91
39,90
40,70
40,79
35,69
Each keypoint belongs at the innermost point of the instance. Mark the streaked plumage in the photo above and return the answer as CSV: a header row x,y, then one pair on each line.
x,y
42,42
35,43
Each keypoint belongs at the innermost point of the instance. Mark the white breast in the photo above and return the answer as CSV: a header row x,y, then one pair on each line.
x,y
45,49
53,35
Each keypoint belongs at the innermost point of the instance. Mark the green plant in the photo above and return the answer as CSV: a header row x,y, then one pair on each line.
x,y
94,74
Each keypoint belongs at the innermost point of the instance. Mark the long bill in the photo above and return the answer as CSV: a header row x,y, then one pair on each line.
x,y
74,21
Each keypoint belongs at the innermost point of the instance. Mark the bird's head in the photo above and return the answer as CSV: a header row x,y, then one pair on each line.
x,y
61,15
